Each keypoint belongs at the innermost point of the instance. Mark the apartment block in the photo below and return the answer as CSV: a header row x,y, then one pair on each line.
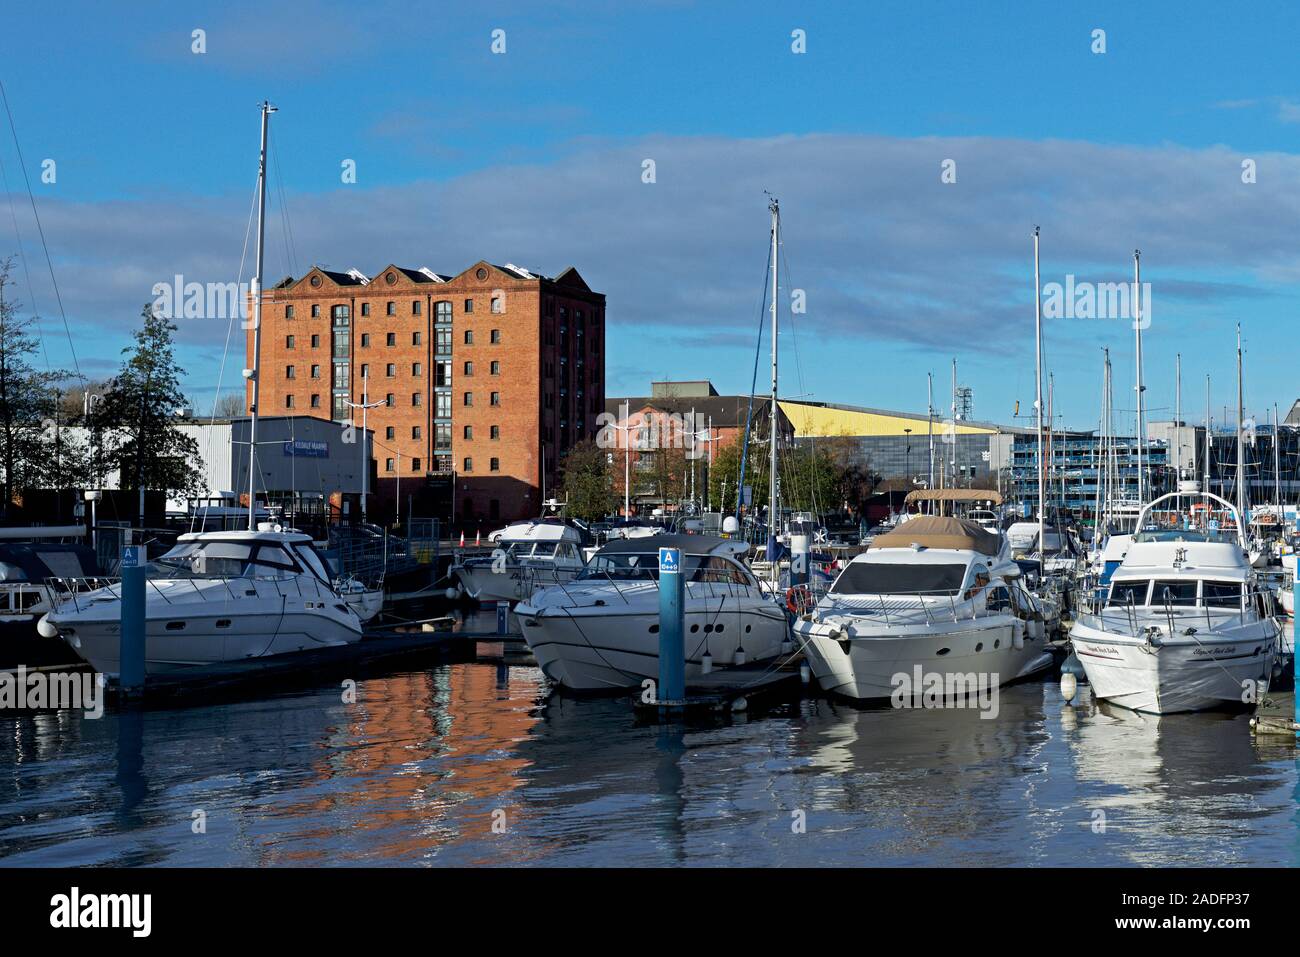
x,y
486,377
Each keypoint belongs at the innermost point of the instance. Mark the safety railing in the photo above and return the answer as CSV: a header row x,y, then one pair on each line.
x,y
186,590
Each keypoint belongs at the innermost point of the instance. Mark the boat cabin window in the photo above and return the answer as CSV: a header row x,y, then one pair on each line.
x,y
632,566
308,555
1221,594
872,578
228,559
1174,593
715,569
1128,593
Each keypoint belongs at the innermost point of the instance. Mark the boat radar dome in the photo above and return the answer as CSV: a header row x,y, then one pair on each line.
x,y
730,526
1189,486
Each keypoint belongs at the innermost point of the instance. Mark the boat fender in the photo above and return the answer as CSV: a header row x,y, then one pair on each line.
x,y
1018,635
706,664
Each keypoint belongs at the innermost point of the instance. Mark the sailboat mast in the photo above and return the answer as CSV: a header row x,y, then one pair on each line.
x,y
253,373
952,450
775,208
1137,326
1100,449
929,423
1178,428
1038,396
1277,466
1241,445
1207,433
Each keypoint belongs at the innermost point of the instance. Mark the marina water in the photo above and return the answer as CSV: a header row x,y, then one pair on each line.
x,y
476,763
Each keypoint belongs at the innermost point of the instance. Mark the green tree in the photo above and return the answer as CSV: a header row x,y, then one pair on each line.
x,y
724,476
588,485
28,403
141,405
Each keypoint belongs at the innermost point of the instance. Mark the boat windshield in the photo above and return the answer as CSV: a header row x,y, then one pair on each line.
x,y
632,566
871,578
1185,535
227,559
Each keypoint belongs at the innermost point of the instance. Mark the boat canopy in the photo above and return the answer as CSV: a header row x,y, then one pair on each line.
x,y
953,495
540,531
940,531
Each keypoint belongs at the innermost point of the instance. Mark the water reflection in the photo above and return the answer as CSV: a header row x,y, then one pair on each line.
x,y
478,764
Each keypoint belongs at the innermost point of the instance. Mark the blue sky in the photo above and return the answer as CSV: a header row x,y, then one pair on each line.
x,y
534,157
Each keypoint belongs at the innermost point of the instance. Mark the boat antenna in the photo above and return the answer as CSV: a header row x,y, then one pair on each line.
x,y
1038,398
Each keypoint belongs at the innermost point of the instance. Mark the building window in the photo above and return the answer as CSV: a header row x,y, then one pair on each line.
x,y
468,465
390,432
442,373
496,398
315,341
442,312
365,340
288,342
365,370
496,432
389,400
315,372
390,370
392,339
288,312
443,408
469,433
415,398
498,305
391,309
341,375
469,368
495,368
315,311
288,401
417,369
365,309
415,431
415,465
469,398
415,307
341,315
469,337
416,338
496,337
442,342
494,465
288,372
315,400
388,465
469,305
340,407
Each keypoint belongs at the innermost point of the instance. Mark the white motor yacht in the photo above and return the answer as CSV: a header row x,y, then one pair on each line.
x,y
527,556
940,594
215,598
1185,624
601,631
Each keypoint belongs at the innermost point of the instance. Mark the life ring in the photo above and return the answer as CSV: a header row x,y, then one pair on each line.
x,y
797,599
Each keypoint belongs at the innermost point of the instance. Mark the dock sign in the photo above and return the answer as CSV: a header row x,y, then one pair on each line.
x,y
670,559
133,556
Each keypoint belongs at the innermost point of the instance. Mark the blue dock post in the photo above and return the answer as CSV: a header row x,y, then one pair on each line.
x,y
503,618
672,630
131,648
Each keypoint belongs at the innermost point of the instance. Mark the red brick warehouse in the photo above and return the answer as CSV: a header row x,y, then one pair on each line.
x,y
487,377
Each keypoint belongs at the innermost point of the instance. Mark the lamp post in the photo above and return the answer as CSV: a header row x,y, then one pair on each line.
x,y
626,429
365,408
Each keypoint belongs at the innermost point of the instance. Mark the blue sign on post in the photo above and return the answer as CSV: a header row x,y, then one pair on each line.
x,y
132,557
672,627
131,635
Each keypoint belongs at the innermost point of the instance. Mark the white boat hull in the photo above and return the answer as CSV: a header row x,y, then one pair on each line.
x,y
601,649
1214,671
513,583
866,667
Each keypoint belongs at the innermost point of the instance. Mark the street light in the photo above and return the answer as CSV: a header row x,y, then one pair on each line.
x,y
365,408
627,462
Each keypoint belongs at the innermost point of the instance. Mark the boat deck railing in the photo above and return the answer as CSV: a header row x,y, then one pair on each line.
x,y
930,604
233,588
639,585
1133,620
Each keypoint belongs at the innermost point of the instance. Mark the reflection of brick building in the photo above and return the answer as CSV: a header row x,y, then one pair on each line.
x,y
489,376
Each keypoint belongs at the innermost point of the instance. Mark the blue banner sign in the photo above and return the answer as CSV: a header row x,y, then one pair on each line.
x,y
670,559
301,448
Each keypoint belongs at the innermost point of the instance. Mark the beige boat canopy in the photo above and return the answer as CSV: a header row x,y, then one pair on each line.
x,y
939,531
953,495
